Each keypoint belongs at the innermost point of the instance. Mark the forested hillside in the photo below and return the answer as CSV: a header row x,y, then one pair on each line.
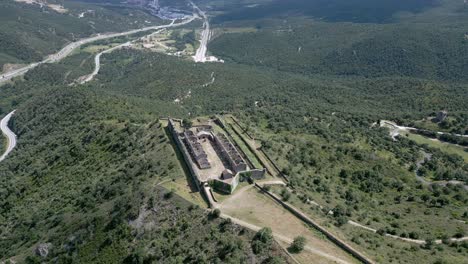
x,y
360,11
309,47
83,183
29,32
84,179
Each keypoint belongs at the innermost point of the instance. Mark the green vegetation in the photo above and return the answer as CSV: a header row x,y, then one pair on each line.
x,y
434,143
298,244
84,176
263,240
89,189
28,33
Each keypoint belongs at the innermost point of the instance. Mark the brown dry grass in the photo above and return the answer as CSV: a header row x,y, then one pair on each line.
x,y
255,208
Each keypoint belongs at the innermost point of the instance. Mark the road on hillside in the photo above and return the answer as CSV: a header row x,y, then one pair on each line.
x,y
64,52
11,137
404,128
97,61
200,54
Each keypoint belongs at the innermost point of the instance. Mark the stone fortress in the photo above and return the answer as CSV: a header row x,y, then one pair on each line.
x,y
213,159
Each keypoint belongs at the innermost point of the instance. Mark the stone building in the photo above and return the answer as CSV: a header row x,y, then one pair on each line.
x,y
227,167
196,150
230,153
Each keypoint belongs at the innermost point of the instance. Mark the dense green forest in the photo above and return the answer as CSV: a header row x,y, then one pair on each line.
x,y
303,46
360,11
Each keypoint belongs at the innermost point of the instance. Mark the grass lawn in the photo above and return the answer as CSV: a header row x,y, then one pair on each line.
x,y
306,257
181,188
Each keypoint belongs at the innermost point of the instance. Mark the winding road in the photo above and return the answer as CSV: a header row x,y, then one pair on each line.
x,y
11,137
67,50
97,62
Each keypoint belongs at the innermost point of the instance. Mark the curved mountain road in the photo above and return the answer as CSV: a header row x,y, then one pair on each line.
x,y
11,137
67,50
97,62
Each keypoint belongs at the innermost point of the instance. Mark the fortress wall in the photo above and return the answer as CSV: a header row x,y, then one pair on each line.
x,y
343,245
185,153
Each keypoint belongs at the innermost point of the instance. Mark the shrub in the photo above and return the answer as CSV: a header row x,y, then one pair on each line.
x,y
216,213
381,232
262,240
297,245
285,194
169,195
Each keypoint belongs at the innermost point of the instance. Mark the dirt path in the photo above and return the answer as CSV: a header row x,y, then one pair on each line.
x,y
257,210
286,239
417,241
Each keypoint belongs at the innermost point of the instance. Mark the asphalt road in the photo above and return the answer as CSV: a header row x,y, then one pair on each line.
x,y
200,54
97,62
9,134
64,52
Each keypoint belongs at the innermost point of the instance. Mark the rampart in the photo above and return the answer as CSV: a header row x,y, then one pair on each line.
x,y
185,153
343,245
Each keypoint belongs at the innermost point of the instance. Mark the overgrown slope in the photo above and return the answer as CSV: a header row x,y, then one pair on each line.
x,y
83,182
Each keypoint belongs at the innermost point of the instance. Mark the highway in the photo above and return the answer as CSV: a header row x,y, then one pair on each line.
x,y
11,137
67,50
200,54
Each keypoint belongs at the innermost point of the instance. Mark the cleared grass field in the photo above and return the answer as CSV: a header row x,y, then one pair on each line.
x,y
447,147
253,207
182,188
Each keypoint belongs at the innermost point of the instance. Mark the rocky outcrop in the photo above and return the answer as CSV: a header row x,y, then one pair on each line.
x,y
43,249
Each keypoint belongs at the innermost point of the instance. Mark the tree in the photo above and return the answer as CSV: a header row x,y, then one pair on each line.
x,y
187,123
216,213
285,194
262,240
265,235
297,245
169,194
